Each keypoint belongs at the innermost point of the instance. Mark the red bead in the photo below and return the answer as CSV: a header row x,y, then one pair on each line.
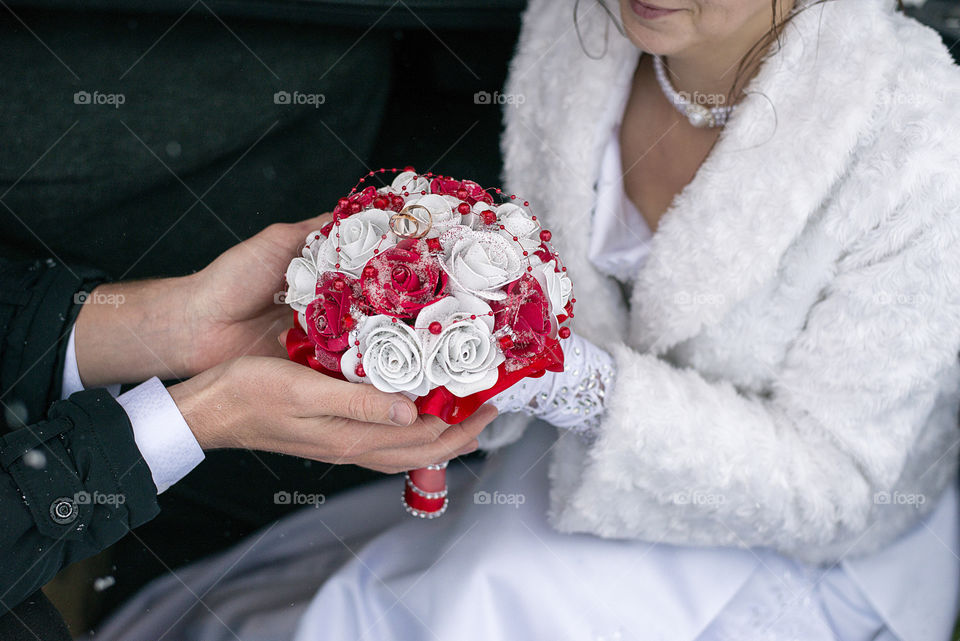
x,y
473,317
461,194
489,217
526,203
435,327
503,227
408,168
380,202
515,239
343,202
545,236
463,208
573,300
532,217
564,332
356,207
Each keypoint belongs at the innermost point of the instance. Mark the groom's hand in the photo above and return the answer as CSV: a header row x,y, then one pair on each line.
x,y
276,405
178,327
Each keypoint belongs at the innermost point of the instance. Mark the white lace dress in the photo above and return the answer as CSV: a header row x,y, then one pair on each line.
x,y
492,569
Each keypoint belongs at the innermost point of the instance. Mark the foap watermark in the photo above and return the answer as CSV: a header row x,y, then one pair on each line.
x,y
499,498
99,498
497,98
298,498
99,98
900,298
699,298
299,98
698,498
704,99
98,298
899,498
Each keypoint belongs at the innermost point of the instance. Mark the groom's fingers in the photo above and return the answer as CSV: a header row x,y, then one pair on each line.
x,y
454,441
317,222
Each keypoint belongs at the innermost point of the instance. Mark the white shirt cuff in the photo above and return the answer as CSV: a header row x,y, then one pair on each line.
x,y
165,441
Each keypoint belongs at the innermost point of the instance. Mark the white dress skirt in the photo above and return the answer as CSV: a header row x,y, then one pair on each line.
x,y
492,569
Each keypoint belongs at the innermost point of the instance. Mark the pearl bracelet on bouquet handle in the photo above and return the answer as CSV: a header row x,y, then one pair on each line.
x,y
572,399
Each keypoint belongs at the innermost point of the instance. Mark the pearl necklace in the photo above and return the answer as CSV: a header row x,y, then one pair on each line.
x,y
698,115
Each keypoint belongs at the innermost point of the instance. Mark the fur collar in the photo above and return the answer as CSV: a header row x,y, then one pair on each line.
x,y
726,232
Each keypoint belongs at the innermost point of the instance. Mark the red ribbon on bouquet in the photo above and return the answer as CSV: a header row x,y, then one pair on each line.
x,y
425,491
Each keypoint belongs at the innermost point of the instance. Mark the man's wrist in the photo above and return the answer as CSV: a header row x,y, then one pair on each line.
x,y
127,332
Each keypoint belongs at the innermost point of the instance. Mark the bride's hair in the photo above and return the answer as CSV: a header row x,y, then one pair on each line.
x,y
760,49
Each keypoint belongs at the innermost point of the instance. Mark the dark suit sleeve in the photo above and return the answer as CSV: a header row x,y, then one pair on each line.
x,y
72,480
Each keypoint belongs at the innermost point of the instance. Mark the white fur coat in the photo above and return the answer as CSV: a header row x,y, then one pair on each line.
x,y
788,364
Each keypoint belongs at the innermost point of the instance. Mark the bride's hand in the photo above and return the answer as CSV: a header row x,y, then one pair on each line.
x,y
276,405
178,327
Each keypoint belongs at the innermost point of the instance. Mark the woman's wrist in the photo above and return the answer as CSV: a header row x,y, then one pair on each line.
x,y
128,332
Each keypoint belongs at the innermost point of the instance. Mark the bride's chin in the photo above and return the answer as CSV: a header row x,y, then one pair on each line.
x,y
653,42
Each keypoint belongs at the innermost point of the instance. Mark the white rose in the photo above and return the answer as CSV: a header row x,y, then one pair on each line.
x,y
517,222
443,214
360,234
392,357
301,283
558,287
409,182
480,262
464,356
474,219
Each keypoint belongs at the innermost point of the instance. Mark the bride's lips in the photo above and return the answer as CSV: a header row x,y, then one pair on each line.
x,y
649,11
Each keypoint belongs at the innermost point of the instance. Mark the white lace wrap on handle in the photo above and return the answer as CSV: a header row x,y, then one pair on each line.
x,y
572,399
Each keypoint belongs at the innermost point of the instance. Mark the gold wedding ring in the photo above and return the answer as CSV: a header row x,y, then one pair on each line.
x,y
406,225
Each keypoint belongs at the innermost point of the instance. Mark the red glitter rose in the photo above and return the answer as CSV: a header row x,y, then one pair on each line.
x,y
328,317
526,311
403,279
463,189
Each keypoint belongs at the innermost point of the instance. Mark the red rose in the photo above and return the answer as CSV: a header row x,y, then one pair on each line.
x,y
403,279
526,311
328,317
355,203
463,189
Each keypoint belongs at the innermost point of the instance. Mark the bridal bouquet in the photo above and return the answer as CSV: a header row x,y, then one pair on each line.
x,y
432,287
